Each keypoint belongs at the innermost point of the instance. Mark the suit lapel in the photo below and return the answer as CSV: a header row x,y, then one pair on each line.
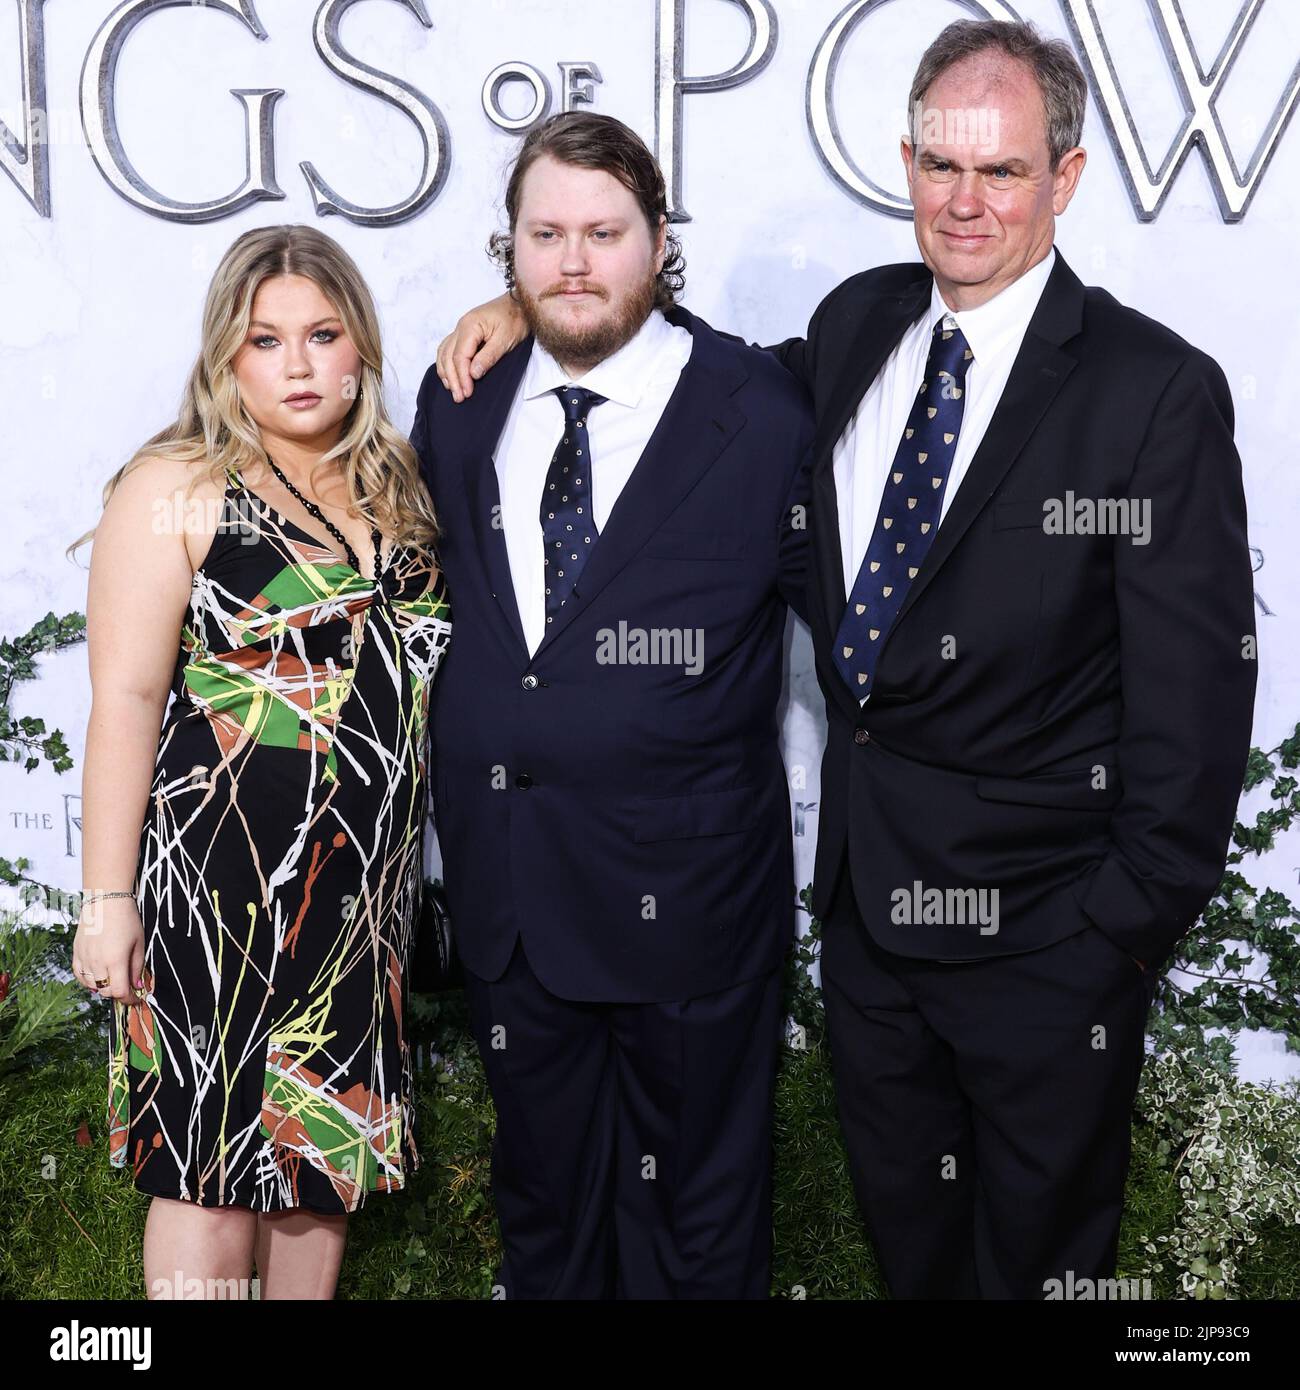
x,y
494,395
1039,372
883,323
698,423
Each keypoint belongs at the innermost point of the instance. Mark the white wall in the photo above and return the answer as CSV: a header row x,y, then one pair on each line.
x,y
102,301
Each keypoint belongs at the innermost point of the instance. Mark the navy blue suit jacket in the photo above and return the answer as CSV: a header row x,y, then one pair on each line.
x,y
630,820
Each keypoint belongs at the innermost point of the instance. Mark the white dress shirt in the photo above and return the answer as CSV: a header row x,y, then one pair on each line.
x,y
864,453
637,382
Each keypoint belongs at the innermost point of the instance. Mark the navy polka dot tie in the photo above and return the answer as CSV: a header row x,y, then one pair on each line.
x,y
568,528
909,510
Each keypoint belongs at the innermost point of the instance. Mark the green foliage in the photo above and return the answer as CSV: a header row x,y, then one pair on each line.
x,y
801,997
820,1248
72,1224
37,1008
26,740
1228,993
1233,1148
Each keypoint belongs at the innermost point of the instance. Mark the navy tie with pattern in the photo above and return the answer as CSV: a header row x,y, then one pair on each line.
x,y
909,510
568,528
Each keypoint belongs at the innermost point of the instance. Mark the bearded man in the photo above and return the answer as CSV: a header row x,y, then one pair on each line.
x,y
622,506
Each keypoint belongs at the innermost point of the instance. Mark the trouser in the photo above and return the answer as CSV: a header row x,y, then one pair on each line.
x,y
985,1106
633,1149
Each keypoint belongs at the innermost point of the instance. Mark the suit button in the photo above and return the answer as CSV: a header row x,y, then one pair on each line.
x,y
861,736
523,781
529,682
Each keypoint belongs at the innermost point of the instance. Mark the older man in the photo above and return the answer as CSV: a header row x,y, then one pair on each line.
x,y
1033,623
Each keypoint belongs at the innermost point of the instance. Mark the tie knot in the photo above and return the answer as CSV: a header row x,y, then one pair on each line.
x,y
949,351
577,401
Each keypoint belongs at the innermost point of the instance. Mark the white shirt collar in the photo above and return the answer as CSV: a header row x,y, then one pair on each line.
x,y
622,377
1001,321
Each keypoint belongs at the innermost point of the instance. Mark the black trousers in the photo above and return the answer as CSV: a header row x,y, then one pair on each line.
x,y
633,1149
985,1106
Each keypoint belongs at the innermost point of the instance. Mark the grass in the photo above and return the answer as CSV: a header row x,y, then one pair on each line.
x,y
71,1226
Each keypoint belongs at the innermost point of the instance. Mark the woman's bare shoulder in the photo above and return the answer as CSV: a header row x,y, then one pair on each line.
x,y
160,475
176,497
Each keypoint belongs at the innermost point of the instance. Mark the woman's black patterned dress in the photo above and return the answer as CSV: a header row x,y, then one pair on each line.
x,y
279,878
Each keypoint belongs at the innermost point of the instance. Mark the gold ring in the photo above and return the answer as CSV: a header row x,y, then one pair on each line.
x,y
99,984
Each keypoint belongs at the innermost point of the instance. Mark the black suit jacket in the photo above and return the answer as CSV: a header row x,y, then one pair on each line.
x,y
1080,743
630,820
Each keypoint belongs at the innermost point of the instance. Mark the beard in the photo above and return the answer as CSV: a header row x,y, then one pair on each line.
x,y
582,348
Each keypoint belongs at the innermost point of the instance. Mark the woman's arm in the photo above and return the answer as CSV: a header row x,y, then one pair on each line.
x,y
139,589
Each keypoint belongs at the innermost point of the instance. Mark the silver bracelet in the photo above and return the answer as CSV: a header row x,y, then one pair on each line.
x,y
95,897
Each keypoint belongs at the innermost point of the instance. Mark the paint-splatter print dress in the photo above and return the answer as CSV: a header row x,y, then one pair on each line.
x,y
279,878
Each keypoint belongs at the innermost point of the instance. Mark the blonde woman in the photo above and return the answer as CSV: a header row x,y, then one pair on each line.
x,y
253,854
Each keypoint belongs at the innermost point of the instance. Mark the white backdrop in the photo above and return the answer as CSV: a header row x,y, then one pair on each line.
x,y
102,300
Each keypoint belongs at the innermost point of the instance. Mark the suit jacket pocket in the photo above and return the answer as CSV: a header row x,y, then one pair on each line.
x,y
703,813
1066,791
696,545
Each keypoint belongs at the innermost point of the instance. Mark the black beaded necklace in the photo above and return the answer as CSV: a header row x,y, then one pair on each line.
x,y
333,530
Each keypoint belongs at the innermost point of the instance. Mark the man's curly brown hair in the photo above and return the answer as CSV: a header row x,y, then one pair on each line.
x,y
591,140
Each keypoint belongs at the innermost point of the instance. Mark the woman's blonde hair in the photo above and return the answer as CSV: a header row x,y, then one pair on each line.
x,y
381,467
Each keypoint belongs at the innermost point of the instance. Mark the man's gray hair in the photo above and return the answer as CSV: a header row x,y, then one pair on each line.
x,y
1060,78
